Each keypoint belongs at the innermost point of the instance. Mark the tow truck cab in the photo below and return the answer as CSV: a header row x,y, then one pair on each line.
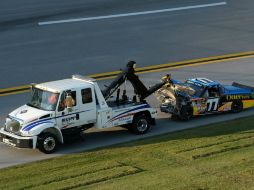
x,y
69,106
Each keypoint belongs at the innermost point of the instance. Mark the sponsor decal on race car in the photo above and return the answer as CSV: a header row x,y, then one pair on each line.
x,y
225,107
238,97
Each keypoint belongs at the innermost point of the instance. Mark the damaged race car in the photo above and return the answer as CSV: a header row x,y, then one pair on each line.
x,y
202,96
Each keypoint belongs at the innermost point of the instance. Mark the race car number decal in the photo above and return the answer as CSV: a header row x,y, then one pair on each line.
x,y
212,104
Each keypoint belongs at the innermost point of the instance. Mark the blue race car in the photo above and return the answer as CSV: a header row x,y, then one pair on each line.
x,y
201,96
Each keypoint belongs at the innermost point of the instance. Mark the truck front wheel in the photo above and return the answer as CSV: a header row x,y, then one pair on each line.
x,y
47,143
141,124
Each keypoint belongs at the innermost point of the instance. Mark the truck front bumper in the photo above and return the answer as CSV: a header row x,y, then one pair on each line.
x,y
17,141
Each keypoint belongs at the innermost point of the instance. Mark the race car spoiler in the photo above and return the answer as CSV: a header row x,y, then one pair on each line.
x,y
242,86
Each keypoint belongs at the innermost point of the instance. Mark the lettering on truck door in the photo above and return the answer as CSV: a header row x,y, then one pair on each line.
x,y
67,118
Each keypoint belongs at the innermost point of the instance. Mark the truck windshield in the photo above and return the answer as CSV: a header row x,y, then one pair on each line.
x,y
44,100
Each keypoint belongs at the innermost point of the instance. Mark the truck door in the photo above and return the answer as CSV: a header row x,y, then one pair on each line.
x,y
67,118
87,106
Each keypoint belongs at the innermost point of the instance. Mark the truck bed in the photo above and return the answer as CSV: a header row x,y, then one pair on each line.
x,y
114,105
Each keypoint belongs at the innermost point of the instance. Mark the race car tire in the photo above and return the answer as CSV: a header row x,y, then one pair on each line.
x,y
186,113
237,106
174,117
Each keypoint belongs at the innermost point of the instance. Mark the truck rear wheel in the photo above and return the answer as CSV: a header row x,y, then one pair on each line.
x,y
47,143
141,124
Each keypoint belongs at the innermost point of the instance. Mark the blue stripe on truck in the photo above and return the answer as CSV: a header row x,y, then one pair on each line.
x,y
34,124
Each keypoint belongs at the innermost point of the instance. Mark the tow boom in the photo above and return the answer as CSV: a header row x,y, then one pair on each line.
x,y
139,88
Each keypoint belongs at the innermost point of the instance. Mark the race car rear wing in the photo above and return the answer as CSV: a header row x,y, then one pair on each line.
x,y
242,86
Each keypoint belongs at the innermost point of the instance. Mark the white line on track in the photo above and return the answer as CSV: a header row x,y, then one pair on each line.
x,y
131,14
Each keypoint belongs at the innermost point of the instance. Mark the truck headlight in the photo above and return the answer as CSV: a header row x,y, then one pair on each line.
x,y
7,121
12,125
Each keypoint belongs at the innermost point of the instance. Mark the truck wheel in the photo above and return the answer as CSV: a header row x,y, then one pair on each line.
x,y
47,143
140,125
237,106
185,113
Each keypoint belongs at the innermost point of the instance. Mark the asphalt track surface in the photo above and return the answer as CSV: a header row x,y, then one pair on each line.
x,y
33,53
226,72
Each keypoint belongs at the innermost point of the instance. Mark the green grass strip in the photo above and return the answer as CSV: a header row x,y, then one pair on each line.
x,y
218,156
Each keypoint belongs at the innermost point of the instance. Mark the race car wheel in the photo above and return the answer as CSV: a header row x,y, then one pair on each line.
x,y
174,117
186,113
237,106
140,125
47,143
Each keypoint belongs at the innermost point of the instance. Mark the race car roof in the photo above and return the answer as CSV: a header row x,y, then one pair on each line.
x,y
202,82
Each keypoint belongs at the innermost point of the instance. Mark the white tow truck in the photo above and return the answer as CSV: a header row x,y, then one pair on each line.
x,y
66,107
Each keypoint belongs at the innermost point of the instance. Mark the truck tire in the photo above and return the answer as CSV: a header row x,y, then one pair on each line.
x,y
237,106
186,113
47,143
141,124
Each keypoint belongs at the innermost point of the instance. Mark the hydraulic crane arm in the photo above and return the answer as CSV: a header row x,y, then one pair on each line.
x,y
129,74
119,80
